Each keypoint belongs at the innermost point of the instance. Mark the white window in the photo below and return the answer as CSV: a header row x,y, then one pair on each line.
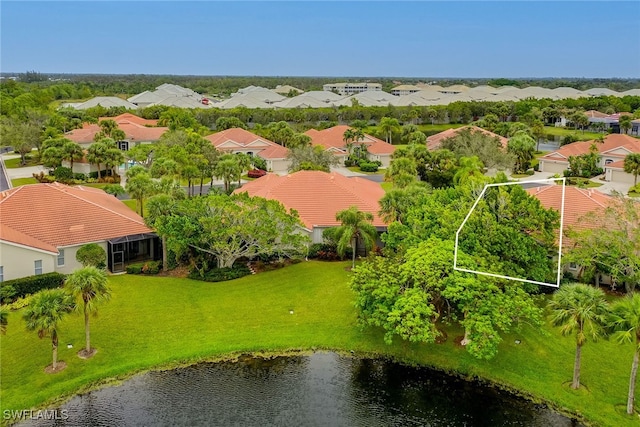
x,y
61,258
1,273
38,266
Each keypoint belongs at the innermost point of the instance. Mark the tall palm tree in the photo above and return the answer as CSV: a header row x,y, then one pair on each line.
x,y
625,123
632,166
388,125
89,286
44,313
96,154
72,151
158,207
625,321
356,225
579,309
469,168
140,186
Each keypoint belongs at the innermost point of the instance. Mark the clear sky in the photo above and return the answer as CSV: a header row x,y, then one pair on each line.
x,y
329,38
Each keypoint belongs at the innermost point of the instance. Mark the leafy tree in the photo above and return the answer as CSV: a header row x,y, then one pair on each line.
x,y
388,126
311,158
402,172
232,227
228,169
468,143
581,310
625,322
537,131
160,207
92,255
579,119
632,166
114,189
224,123
44,313
15,133
53,153
141,154
523,147
72,151
396,202
439,168
89,286
355,225
470,169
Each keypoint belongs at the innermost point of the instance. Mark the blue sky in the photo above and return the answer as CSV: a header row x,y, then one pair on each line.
x,y
368,39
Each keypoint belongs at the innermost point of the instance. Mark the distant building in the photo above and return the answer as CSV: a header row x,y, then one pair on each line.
x,y
286,89
434,142
347,89
405,90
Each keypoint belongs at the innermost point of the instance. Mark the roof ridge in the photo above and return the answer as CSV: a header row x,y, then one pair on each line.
x,y
60,189
11,192
355,179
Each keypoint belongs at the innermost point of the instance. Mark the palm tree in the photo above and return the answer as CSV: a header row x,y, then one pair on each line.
x,y
469,168
72,151
4,314
625,321
140,186
227,169
632,166
625,123
579,309
388,125
355,225
88,285
97,154
523,147
44,313
158,207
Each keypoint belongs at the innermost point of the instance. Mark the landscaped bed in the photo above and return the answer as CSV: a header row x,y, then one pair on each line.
x,y
154,322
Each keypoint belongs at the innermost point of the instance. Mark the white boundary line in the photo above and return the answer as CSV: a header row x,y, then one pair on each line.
x,y
455,255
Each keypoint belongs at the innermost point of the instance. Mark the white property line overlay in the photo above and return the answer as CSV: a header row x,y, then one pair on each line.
x,y
455,255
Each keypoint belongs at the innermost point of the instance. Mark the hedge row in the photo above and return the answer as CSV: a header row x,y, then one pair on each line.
x,y
149,267
18,288
221,274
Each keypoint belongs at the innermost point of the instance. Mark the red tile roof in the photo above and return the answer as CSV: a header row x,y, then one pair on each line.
x,y
334,138
134,127
595,114
318,196
434,142
611,142
48,216
239,139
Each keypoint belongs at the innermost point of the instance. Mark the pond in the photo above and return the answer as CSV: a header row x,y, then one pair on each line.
x,y
323,389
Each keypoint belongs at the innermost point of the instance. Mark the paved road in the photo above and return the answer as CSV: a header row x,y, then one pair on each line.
x,y
4,179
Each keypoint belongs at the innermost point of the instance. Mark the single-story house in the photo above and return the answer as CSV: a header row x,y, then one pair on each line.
x,y
237,140
332,139
614,149
434,142
44,225
102,101
578,203
318,196
615,172
136,129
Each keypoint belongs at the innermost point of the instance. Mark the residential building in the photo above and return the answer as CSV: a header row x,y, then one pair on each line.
x,y
405,90
318,196
347,89
434,142
137,131
237,140
614,149
102,101
44,225
286,89
332,139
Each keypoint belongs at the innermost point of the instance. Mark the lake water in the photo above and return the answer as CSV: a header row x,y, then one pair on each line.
x,y
323,389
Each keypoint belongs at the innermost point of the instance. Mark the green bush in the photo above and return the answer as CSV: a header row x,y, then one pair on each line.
x,y
221,274
368,167
92,254
147,267
33,284
80,177
635,189
7,293
63,174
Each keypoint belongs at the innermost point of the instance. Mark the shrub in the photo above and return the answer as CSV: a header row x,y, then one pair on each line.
x,y
635,189
256,173
326,252
63,174
7,293
147,267
530,172
33,284
348,162
92,254
80,177
221,274
41,177
368,167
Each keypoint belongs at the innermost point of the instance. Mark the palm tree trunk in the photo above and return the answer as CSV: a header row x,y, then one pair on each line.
x,y
576,368
87,333
164,253
142,207
99,174
54,346
632,382
353,261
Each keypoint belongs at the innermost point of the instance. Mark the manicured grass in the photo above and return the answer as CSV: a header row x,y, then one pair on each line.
x,y
582,136
357,169
633,194
132,204
387,186
99,185
15,163
17,182
161,322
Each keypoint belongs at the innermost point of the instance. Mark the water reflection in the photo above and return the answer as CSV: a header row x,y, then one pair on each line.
x,y
323,389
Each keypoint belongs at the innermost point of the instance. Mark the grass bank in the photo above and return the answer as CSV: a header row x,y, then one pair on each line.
x,y
161,322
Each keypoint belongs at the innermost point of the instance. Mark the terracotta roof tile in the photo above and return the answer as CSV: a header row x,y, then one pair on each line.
x,y
240,139
318,196
134,127
55,215
333,138
611,142
434,142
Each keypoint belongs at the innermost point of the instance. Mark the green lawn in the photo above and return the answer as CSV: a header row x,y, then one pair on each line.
x,y
357,169
17,182
582,136
132,203
15,163
387,185
161,322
